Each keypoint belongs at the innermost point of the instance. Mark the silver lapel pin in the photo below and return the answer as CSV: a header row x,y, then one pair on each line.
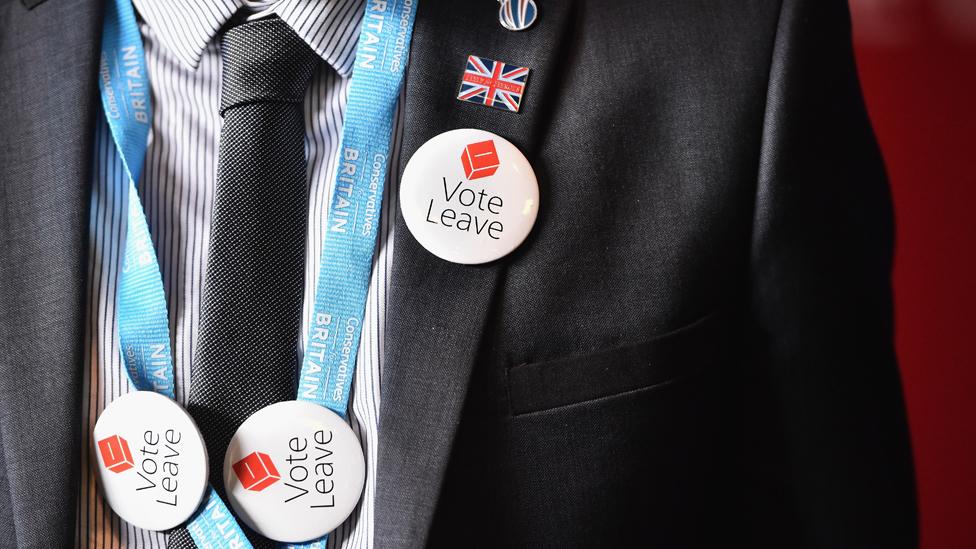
x,y
517,15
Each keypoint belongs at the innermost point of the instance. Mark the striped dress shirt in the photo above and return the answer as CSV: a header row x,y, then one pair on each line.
x,y
177,190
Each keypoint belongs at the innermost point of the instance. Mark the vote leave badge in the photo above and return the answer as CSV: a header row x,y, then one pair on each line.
x,y
294,471
469,196
151,460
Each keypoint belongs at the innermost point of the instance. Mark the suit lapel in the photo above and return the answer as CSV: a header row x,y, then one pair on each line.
x,y
48,57
438,311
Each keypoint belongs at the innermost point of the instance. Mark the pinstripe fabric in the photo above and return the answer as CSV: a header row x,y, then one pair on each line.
x,y
177,191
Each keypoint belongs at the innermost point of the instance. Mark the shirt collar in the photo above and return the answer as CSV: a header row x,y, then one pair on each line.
x,y
185,27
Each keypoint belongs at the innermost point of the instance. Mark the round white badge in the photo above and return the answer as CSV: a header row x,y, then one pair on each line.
x,y
152,462
469,196
294,471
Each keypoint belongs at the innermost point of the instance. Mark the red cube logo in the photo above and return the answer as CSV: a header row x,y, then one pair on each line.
x,y
480,159
256,471
115,454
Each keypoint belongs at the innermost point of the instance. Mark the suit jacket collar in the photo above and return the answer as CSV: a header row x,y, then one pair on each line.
x,y
48,56
439,311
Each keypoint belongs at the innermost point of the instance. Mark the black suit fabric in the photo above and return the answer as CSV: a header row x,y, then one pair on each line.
x,y
693,348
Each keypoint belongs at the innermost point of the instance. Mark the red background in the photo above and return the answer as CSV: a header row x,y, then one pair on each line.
x,y
917,60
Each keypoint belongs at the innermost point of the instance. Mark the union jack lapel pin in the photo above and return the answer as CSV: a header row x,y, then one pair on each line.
x,y
493,83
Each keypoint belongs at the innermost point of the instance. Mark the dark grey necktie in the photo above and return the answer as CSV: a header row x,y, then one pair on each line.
x,y
247,352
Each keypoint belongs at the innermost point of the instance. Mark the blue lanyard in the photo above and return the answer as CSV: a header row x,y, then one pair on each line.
x,y
143,326
143,319
346,259
350,241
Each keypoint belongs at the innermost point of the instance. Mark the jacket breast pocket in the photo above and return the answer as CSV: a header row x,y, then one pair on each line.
x,y
682,353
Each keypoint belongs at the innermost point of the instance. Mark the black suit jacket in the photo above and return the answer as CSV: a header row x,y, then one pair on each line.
x,y
693,347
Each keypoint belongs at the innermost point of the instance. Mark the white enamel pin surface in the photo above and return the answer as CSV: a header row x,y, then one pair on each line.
x,y
469,196
294,471
151,460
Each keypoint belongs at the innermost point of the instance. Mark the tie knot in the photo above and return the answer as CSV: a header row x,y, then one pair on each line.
x,y
264,61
